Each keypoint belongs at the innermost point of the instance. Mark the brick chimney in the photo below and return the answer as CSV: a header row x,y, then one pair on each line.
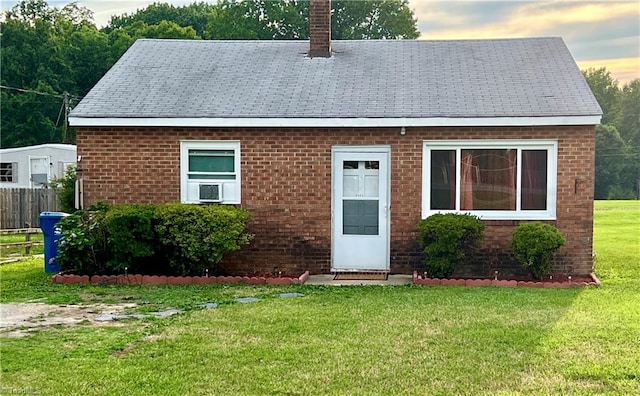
x,y
320,28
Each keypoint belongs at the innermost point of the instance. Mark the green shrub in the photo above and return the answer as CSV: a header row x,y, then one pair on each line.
x,y
449,240
195,237
131,237
82,246
167,239
65,187
533,245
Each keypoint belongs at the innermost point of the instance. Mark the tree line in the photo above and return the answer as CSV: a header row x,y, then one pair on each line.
x,y
52,57
617,137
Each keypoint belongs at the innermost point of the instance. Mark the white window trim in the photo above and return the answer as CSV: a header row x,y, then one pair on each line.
x,y
186,145
552,179
14,172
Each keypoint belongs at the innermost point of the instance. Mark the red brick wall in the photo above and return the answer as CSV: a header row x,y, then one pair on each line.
x,y
320,28
286,184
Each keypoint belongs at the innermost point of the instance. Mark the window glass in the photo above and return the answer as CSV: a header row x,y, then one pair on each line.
x,y
211,161
39,179
501,179
443,179
360,217
488,180
534,179
6,172
371,165
350,165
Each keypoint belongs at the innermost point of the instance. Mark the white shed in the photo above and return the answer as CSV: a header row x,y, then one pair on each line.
x,y
34,166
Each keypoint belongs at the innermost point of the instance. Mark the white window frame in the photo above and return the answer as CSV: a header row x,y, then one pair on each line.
x,y
231,191
13,169
458,145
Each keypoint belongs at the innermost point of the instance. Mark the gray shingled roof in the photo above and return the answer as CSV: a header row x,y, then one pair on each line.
x,y
533,77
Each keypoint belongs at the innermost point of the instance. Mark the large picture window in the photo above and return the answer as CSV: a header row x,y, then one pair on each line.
x,y
493,179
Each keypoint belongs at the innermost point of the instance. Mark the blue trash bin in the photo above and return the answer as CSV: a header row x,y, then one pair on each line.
x,y
48,221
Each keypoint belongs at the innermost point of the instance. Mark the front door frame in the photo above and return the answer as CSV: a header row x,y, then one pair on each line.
x,y
372,149
46,160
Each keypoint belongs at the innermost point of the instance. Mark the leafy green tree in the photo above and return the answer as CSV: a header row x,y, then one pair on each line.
x,y
618,138
289,20
605,89
193,15
257,20
628,123
30,11
164,29
48,55
66,189
373,19
610,160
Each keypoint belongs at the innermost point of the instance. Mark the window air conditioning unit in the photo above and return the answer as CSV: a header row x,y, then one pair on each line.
x,y
211,192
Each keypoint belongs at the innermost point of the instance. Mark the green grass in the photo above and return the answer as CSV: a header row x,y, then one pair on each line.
x,y
617,239
347,340
13,251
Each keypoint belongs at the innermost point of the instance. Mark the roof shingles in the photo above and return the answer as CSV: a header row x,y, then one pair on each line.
x,y
534,77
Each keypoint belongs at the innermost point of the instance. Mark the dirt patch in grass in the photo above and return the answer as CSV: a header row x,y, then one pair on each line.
x,y
19,319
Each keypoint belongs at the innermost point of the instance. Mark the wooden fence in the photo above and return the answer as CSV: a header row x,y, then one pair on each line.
x,y
27,244
21,207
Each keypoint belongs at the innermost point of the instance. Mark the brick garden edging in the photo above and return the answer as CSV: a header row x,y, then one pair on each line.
x,y
176,280
419,280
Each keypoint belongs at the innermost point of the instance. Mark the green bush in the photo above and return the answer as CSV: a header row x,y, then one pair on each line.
x,y
195,237
166,239
533,245
82,246
131,237
449,240
65,187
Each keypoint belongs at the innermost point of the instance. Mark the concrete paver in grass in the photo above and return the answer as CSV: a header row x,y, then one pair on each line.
x,y
247,300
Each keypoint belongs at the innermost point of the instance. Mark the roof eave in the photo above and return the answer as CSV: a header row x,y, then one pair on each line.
x,y
312,122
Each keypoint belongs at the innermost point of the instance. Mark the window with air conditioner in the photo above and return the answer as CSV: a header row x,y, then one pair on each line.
x,y
210,171
493,179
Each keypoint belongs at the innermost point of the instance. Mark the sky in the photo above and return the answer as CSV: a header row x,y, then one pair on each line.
x,y
602,33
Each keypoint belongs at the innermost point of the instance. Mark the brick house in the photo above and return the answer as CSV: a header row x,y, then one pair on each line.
x,y
339,148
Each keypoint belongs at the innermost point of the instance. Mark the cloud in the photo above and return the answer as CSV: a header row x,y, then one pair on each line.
x,y
519,19
595,31
622,69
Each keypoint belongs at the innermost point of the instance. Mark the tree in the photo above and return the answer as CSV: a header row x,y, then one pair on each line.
x,y
628,123
618,136
258,20
165,29
605,89
289,20
193,15
30,11
371,19
48,55
51,55
610,160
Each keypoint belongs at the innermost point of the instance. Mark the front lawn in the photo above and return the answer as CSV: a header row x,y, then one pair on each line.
x,y
344,340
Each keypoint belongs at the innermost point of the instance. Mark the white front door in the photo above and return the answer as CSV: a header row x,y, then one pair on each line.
x,y
360,208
